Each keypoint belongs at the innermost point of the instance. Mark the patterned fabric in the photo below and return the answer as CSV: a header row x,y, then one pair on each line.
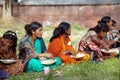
x,y
94,47
27,50
91,45
87,43
112,36
13,68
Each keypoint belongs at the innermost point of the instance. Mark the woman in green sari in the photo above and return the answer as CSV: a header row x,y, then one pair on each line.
x,y
32,48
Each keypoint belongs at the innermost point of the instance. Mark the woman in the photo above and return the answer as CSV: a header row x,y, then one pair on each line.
x,y
113,35
8,43
60,44
32,48
93,41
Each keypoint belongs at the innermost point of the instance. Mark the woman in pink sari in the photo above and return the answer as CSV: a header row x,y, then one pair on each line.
x,y
93,41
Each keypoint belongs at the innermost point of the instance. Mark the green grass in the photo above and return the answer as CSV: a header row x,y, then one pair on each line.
x,y
106,70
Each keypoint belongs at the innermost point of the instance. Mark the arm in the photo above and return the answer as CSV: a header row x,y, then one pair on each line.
x,y
101,43
26,51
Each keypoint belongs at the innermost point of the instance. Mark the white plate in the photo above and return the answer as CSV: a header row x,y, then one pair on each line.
x,y
110,51
7,61
79,55
48,61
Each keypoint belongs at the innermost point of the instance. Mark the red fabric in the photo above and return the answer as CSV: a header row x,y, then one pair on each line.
x,y
91,45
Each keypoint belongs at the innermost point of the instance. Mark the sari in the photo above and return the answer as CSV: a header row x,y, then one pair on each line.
x,y
32,63
87,44
58,46
12,68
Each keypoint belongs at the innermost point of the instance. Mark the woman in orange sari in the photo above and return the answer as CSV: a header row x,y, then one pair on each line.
x,y
60,44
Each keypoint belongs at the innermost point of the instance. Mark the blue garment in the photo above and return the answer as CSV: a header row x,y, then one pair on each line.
x,y
38,46
3,74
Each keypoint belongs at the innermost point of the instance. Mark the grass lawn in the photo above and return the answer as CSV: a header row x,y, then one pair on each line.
x,y
106,70
90,70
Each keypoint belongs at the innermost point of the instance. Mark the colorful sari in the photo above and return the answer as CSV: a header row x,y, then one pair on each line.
x,y
58,46
33,64
9,69
88,45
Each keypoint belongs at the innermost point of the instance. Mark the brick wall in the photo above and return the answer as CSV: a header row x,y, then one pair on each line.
x,y
52,15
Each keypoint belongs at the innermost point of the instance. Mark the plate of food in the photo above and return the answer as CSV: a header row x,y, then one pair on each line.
x,y
78,56
7,61
48,61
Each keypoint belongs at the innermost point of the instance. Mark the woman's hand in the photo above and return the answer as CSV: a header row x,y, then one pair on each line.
x,y
66,52
47,55
69,52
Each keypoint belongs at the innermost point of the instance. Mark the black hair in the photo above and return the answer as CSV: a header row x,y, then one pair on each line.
x,y
60,30
11,36
103,27
33,26
105,19
100,27
26,29
113,22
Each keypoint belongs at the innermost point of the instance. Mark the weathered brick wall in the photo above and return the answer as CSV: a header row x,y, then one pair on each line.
x,y
52,15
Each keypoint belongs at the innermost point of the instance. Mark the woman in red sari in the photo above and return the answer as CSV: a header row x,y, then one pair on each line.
x,y
60,44
8,44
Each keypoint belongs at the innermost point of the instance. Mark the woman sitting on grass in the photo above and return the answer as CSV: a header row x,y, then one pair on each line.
x,y
32,48
94,40
8,43
60,44
113,36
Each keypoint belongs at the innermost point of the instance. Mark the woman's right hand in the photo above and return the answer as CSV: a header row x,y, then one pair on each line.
x,y
70,52
48,55
66,52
